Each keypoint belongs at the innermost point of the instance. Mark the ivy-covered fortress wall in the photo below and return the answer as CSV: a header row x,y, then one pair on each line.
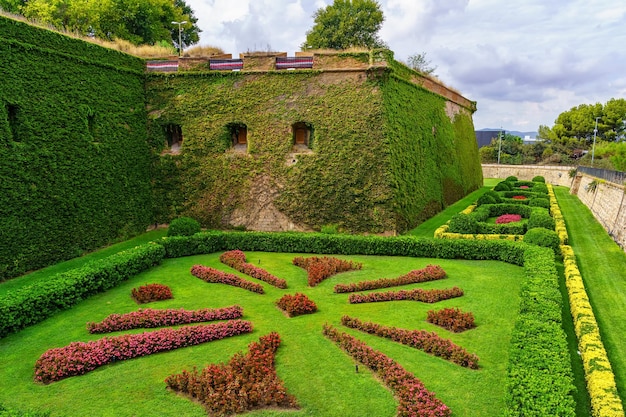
x,y
385,153
74,163
93,149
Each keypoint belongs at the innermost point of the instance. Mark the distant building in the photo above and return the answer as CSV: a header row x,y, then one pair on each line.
x,y
484,137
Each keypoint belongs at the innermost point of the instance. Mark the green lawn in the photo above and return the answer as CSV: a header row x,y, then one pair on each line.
x,y
321,376
603,267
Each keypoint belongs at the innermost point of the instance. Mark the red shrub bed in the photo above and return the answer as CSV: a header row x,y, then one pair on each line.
x,y
220,277
452,319
318,269
149,318
524,187
508,218
425,296
519,197
413,398
78,358
429,342
296,305
430,273
236,259
246,382
151,292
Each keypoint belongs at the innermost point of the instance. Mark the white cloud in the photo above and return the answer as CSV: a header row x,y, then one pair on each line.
x,y
523,62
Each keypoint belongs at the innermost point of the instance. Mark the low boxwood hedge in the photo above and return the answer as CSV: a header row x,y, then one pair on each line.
x,y
32,304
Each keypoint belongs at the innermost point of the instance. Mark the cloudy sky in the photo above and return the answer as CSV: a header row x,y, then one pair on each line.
x,y
523,61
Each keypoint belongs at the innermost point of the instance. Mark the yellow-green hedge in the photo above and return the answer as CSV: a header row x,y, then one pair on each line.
x,y
605,401
555,211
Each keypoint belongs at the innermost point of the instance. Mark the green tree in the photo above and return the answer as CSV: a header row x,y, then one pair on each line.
x,y
138,21
420,63
575,127
346,24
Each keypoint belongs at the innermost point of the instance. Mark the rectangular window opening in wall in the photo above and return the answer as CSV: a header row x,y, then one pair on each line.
x,y
174,134
239,136
13,113
302,133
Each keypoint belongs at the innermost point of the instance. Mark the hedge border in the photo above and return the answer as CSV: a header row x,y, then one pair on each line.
x,y
539,367
601,386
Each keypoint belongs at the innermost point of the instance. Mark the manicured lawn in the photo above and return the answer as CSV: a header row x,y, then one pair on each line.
x,y
322,378
603,267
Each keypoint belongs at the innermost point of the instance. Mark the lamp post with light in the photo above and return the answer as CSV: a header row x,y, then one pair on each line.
x,y
180,36
593,148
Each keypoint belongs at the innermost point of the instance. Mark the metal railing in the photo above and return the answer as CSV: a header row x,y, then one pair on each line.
x,y
616,177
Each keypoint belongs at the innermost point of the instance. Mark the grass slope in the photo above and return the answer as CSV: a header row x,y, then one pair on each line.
x,y
603,267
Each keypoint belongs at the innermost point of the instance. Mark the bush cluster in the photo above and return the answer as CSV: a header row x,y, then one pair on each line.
x,y
151,292
245,383
413,397
149,318
78,358
463,223
296,305
425,296
541,218
543,237
452,319
183,226
540,188
236,259
428,342
429,273
216,276
34,303
539,202
539,178
320,268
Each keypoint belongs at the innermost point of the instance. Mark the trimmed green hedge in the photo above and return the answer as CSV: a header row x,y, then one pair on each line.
x,y
34,303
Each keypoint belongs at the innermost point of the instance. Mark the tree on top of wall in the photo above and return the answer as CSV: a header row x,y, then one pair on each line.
x,y
346,24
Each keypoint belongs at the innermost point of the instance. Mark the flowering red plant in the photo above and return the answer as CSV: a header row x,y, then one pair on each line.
x,y
318,269
78,358
519,197
430,273
246,382
508,218
236,259
428,342
452,319
216,276
425,296
413,397
151,292
296,305
149,318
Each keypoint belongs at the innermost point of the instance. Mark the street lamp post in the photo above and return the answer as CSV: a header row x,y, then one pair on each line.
x,y
593,148
180,36
500,144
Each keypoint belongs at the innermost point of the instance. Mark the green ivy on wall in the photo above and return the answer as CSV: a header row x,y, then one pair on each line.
x,y
376,164
75,164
